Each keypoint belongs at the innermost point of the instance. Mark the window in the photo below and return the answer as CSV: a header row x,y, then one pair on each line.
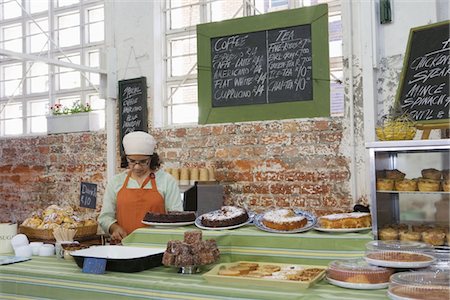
x,y
28,88
181,16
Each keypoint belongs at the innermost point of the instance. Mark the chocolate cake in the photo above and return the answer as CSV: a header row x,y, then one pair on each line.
x,y
170,217
226,216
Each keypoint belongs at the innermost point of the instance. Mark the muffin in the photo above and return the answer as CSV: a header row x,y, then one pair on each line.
x,y
431,174
395,174
428,185
406,185
410,236
446,185
385,184
388,234
420,228
434,237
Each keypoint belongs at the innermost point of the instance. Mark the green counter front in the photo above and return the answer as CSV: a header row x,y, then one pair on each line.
x,y
53,278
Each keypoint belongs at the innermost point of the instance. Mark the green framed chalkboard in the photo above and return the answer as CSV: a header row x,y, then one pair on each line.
x,y
424,89
266,67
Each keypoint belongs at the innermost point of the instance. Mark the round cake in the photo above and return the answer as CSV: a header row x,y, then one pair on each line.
x,y
358,271
170,217
283,219
224,217
346,220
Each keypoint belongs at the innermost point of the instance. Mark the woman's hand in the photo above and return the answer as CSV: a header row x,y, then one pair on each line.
x,y
117,233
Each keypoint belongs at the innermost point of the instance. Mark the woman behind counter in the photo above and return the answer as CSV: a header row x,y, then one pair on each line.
x,y
142,188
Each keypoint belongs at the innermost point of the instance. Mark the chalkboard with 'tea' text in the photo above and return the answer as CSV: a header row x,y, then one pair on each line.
x,y
424,90
267,66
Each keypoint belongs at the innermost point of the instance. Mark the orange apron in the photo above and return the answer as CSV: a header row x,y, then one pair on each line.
x,y
133,204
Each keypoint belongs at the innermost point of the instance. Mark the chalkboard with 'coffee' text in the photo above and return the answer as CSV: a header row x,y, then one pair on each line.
x,y
133,114
266,67
262,67
424,90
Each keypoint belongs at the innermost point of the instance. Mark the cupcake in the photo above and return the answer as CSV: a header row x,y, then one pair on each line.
x,y
395,174
385,184
388,234
406,185
431,174
410,236
434,237
428,185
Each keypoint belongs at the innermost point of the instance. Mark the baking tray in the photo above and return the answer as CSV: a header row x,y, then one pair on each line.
x,y
122,258
242,281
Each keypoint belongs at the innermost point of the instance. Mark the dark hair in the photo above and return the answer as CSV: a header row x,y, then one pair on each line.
x,y
155,162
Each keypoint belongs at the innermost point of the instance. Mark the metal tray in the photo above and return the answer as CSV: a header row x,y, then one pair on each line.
x,y
122,258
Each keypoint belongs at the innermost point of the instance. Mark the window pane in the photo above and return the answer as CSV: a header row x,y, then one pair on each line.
x,y
95,15
12,37
67,21
96,32
185,16
68,102
94,61
38,6
13,110
185,113
69,78
12,71
184,94
38,124
66,2
14,126
38,84
38,108
96,103
12,75
224,9
182,65
69,37
38,39
11,9
184,46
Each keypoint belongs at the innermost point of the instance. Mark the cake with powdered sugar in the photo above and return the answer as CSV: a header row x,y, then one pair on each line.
x,y
345,220
283,219
224,217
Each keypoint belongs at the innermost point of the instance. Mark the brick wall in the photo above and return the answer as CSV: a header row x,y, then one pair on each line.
x,y
291,163
42,170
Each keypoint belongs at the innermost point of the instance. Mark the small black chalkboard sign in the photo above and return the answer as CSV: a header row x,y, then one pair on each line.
x,y
268,66
133,113
88,195
424,90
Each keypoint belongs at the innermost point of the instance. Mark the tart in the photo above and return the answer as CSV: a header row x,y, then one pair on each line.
x,y
410,236
431,174
388,234
346,220
384,184
406,185
428,185
358,271
395,174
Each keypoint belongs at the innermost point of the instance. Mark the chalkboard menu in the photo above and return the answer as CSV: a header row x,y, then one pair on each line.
x,y
132,109
265,67
88,195
262,67
424,90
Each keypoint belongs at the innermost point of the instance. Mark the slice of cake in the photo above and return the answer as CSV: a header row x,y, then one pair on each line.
x,y
283,219
345,220
225,217
170,217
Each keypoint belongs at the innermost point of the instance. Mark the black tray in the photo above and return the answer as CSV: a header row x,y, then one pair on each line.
x,y
122,258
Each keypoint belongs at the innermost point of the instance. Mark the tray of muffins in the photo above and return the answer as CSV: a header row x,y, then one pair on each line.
x,y
432,180
285,221
265,275
433,235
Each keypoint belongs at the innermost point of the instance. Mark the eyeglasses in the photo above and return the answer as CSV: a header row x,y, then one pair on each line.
x,y
142,163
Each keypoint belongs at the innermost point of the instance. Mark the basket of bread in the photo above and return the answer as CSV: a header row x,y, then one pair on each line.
x,y
40,225
396,126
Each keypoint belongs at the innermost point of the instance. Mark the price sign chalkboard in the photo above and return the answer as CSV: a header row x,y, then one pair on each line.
x,y
267,66
88,195
424,90
133,114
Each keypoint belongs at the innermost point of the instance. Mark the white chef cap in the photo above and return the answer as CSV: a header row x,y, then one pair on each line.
x,y
139,143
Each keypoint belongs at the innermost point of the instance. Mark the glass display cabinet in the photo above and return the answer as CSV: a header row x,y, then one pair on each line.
x,y
413,207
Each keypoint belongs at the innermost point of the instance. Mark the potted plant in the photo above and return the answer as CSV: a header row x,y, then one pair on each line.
x,y
77,118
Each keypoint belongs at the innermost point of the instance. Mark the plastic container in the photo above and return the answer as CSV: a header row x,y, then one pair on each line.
x,y
358,271
399,254
420,285
442,263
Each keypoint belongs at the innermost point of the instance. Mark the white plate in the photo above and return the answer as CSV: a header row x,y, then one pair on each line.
x,y
117,252
359,286
312,221
401,264
341,229
168,224
395,297
198,223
